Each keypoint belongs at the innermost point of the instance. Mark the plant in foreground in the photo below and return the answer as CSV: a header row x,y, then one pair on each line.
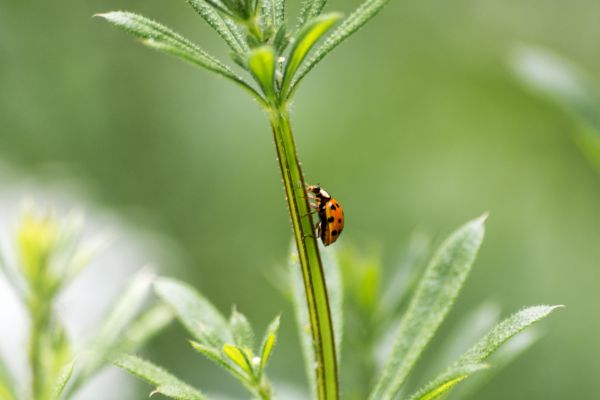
x,y
277,58
49,257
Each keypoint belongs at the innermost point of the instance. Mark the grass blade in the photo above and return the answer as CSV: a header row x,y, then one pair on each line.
x,y
357,19
227,31
487,345
161,38
303,43
165,383
430,304
199,317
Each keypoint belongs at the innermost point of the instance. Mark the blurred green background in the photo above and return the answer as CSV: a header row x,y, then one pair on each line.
x,y
416,122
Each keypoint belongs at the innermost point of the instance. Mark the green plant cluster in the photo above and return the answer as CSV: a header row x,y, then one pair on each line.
x,y
49,256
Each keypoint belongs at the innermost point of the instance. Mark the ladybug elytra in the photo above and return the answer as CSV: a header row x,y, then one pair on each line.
x,y
331,215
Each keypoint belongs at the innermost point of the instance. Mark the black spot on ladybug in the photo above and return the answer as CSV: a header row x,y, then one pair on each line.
x,y
339,221
332,207
330,219
334,233
337,205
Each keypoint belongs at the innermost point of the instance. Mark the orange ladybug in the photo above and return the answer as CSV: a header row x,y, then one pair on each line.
x,y
331,215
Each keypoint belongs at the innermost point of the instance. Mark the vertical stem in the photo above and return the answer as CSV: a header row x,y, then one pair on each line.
x,y
38,326
308,253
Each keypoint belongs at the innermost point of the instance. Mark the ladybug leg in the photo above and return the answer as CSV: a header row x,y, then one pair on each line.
x,y
318,229
312,212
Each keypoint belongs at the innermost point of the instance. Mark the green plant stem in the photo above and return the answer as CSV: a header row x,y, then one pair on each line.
x,y
39,322
308,253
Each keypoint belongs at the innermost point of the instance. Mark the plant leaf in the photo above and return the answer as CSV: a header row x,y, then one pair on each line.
x,y
335,292
161,38
487,345
500,359
504,331
261,62
199,317
310,9
357,19
217,357
166,384
227,31
243,335
444,383
430,304
472,326
274,11
63,379
304,42
268,343
238,356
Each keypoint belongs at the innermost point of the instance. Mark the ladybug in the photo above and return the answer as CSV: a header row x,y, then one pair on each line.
x,y
331,215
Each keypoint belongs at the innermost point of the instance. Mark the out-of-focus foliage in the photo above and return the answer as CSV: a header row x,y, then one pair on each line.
x,y
49,256
567,86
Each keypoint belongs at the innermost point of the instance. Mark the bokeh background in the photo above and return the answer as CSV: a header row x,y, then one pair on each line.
x,y
417,122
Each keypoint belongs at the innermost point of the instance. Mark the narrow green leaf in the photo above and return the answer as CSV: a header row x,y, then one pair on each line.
x,y
444,383
228,32
239,357
487,345
63,379
268,343
161,38
310,9
430,304
217,357
510,351
166,384
333,278
472,326
261,62
504,331
357,19
243,335
304,42
199,317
